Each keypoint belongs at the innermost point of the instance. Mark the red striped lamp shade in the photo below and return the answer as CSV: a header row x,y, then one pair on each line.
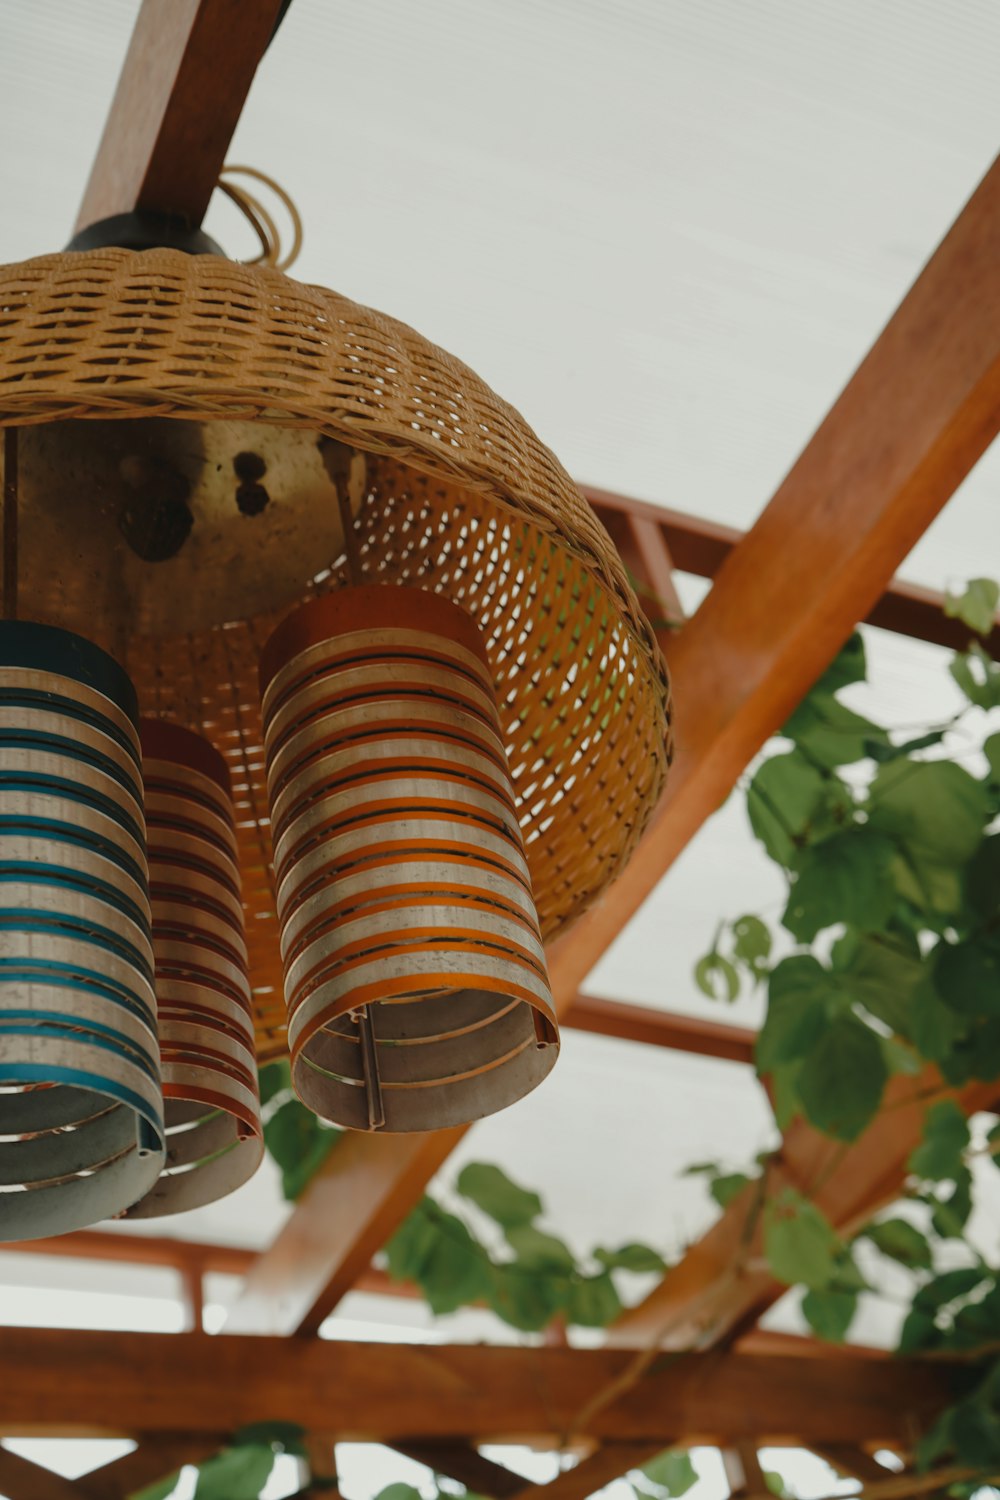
x,y
210,1089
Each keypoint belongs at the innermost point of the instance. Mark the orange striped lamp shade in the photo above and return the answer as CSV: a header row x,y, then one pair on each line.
x,y
415,977
205,1024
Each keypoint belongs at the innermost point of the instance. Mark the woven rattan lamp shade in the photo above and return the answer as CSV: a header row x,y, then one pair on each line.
x,y
239,396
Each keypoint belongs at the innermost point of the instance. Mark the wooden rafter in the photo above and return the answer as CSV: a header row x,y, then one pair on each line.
x,y
143,1384
913,420
182,87
661,1028
700,547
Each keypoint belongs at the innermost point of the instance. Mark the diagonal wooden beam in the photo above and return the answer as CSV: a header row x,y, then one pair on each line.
x,y
920,410
155,1458
368,1186
722,1283
57,1379
607,1463
20,1479
464,1463
182,87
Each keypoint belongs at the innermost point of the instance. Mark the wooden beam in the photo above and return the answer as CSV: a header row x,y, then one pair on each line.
x,y
138,1249
605,1464
52,1379
466,1465
661,1028
701,547
367,1186
20,1479
182,88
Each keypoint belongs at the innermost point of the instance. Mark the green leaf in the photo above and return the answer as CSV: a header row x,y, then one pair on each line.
x,y
300,1143
993,1140
831,734
160,1490
593,1301
289,1437
672,1470
727,1187
275,1078
976,607
844,878
882,752
952,1213
716,977
456,1271
540,1252
493,1191
399,1491
934,809
991,749
978,676
940,1155
842,1079
751,940
633,1257
830,1313
948,1287
849,665
967,977
800,996
882,974
974,1431
933,1028
235,1474
787,800
901,1242
982,878
412,1243
919,1331
525,1299
784,1086
799,1244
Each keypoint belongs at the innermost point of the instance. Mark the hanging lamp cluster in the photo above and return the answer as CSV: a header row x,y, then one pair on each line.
x,y
346,578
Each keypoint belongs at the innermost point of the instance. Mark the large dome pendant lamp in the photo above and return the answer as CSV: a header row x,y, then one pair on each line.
x,y
209,446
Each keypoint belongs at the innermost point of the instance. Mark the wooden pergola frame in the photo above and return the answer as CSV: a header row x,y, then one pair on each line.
x,y
913,420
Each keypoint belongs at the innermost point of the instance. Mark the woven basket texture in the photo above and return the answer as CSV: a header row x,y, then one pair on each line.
x,y
460,497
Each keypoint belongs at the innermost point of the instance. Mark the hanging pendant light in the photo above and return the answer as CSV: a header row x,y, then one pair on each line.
x,y
211,1094
414,970
241,444
81,1128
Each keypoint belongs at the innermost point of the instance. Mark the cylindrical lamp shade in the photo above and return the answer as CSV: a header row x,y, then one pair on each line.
x,y
81,1129
415,978
210,1088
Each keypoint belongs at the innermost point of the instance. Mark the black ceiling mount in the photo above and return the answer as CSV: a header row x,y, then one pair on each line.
x,y
144,229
